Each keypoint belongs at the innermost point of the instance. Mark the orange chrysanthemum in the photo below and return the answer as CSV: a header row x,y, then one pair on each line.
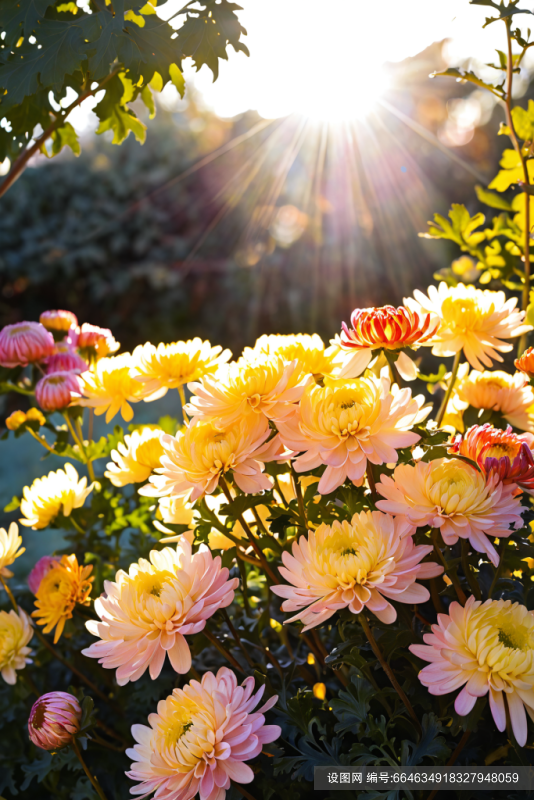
x,y
387,327
66,584
526,362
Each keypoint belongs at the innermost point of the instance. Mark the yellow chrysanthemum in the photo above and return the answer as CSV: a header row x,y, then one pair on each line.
x,y
511,395
109,387
66,584
57,493
15,633
310,351
170,366
265,386
473,320
10,542
134,460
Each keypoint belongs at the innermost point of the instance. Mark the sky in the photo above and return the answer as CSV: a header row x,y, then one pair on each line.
x,y
324,58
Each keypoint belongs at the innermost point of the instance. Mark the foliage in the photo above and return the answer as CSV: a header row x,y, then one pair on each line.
x,y
55,54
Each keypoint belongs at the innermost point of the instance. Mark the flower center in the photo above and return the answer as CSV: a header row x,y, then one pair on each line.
x,y
39,716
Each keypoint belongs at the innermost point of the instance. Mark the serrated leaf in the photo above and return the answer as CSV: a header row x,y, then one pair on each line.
x,y
177,78
523,120
470,77
206,32
238,506
18,18
62,137
511,171
491,199
460,229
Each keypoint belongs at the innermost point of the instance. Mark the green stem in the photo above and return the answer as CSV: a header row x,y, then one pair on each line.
x,y
82,445
9,594
41,440
451,573
443,408
92,778
181,392
220,647
473,584
371,480
498,570
251,537
300,499
389,672
237,638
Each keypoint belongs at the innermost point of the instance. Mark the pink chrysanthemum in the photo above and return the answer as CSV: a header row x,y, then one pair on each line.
x,y
507,454
66,361
455,497
200,738
346,423
56,390
54,720
194,460
486,648
146,613
42,567
24,343
364,563
58,320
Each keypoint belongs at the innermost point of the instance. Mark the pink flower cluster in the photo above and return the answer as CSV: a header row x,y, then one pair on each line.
x,y
62,350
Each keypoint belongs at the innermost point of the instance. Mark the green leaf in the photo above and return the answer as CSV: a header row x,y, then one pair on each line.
x,y
206,32
177,78
491,199
168,424
461,228
13,505
20,19
238,506
118,118
62,137
470,77
523,120
148,100
511,171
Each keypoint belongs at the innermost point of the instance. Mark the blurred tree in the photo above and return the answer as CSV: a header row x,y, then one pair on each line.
x,y
52,51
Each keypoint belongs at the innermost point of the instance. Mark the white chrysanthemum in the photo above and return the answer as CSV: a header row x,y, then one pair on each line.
x,y
136,458
10,542
57,493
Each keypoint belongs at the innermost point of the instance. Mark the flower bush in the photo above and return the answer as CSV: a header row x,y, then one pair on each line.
x,y
307,529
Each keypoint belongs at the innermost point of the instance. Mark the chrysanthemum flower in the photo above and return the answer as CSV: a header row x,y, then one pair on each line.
x,y
54,720
347,423
10,548
56,493
309,350
174,511
473,320
511,395
526,362
486,648
56,390
41,568
147,613
169,366
455,497
24,343
95,342
200,738
58,320
508,455
15,634
195,458
136,458
62,587
266,386
66,361
386,328
354,565
109,387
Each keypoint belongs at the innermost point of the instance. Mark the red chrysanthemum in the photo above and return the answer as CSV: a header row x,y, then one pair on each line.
x,y
505,453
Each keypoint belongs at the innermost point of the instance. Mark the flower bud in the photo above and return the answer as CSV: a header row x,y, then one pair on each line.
x,y
66,361
58,320
54,720
34,415
54,392
24,343
95,342
15,420
37,574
